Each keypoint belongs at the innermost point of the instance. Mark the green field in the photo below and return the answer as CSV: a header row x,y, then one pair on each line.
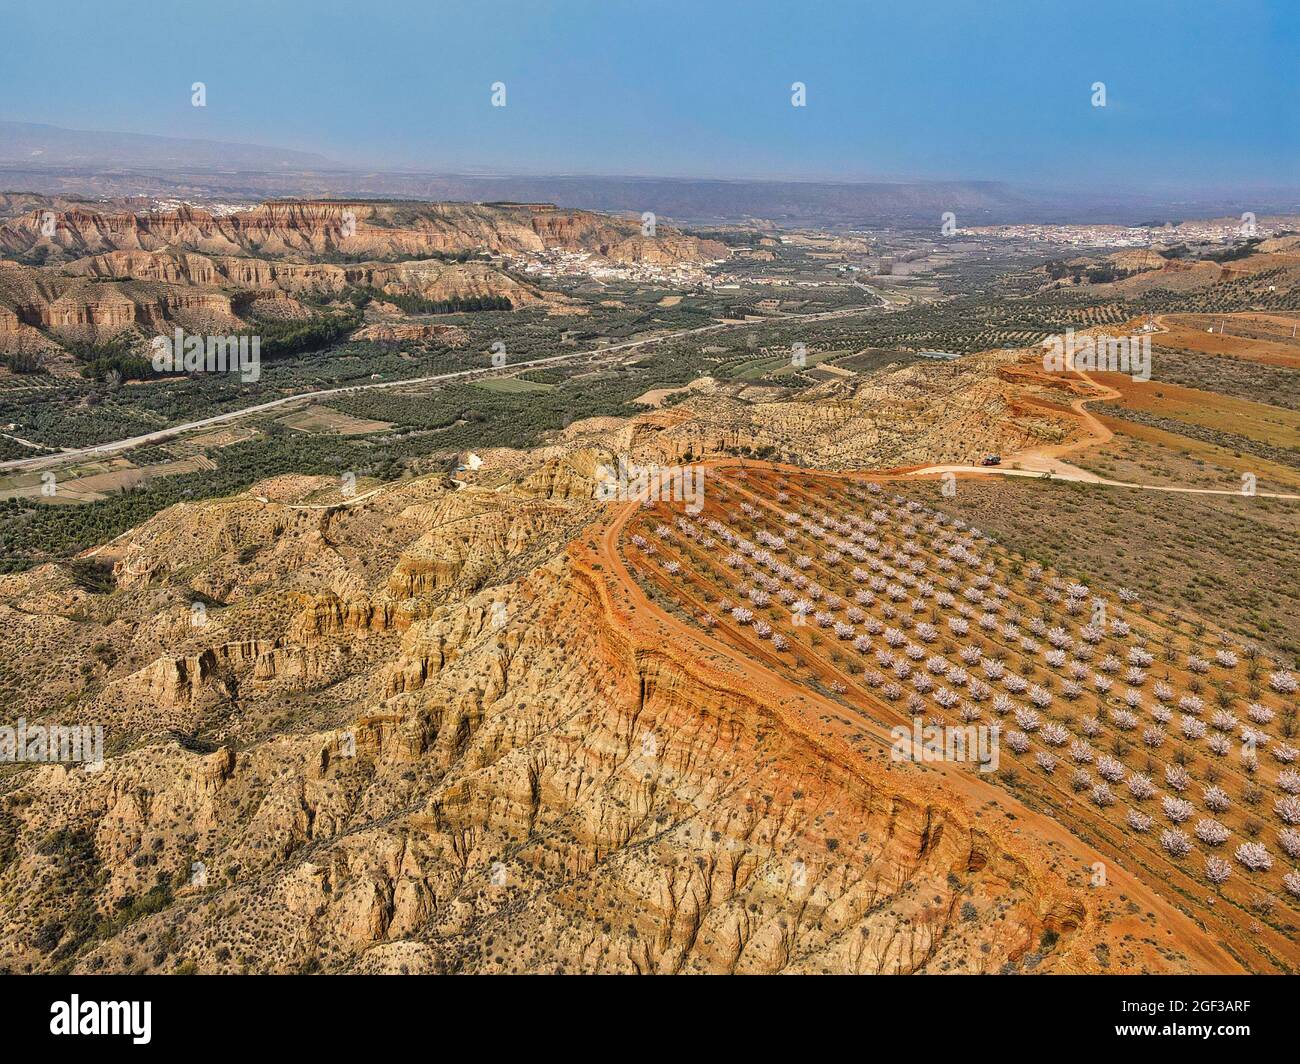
x,y
511,385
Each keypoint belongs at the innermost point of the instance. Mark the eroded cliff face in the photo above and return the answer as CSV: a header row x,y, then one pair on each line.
x,y
148,272
430,279
152,291
34,298
431,732
306,229
535,796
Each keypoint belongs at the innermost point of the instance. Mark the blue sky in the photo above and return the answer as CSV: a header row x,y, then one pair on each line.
x,y
1200,93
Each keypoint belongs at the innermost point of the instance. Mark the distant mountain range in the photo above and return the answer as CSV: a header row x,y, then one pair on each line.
x,y
65,162
30,144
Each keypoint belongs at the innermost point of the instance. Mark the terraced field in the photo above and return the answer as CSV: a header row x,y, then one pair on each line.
x,y
1166,745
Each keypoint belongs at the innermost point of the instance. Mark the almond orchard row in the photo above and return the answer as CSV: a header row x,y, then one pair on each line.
x,y
1180,737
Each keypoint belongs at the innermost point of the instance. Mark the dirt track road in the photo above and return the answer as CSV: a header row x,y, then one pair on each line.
x,y
1046,464
1082,476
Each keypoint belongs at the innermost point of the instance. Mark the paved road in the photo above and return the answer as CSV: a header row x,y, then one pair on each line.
x,y
79,454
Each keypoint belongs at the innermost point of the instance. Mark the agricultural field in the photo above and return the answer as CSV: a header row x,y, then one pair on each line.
x,y
1268,339
1143,454
1165,741
512,385
322,419
1258,430
1223,559
1227,373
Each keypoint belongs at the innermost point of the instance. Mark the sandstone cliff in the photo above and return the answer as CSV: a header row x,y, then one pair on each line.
x,y
307,229
100,296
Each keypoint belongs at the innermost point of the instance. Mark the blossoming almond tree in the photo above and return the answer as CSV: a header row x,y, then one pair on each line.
x,y
1254,856
1211,832
1138,821
1217,870
1175,842
1141,787
1176,809
1288,808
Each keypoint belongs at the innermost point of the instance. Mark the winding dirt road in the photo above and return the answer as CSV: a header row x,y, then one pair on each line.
x,y
1046,464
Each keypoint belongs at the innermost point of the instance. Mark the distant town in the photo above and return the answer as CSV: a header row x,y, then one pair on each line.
x,y
1211,230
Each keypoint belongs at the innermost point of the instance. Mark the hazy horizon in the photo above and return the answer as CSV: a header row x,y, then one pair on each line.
x,y
328,164
1195,99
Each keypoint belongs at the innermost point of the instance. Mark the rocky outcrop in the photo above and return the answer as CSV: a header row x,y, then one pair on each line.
x,y
149,271
569,474
150,292
451,335
471,534
931,412
527,804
